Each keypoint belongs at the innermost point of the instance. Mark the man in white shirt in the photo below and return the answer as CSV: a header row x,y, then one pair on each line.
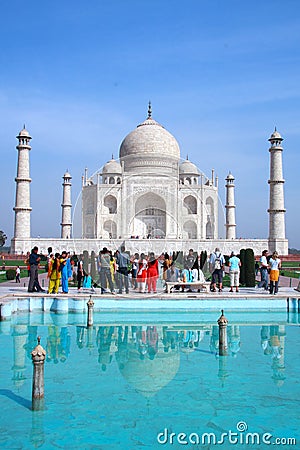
x,y
264,271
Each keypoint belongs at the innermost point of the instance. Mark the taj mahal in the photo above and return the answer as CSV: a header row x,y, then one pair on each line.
x,y
149,199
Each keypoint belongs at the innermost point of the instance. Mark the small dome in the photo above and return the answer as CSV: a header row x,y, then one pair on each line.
x,y
112,166
188,168
230,176
275,135
67,175
24,133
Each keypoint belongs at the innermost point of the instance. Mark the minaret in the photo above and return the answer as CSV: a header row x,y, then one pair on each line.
x,y
66,220
276,209
22,206
20,334
230,207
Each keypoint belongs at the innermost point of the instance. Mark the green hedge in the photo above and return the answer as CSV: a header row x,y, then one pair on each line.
x,y
10,274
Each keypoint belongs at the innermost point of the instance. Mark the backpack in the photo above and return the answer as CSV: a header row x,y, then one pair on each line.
x,y
217,263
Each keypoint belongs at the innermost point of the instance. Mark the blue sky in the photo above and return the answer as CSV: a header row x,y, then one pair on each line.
x,y
220,75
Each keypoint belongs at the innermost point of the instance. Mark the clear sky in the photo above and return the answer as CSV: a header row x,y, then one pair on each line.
x,y
220,74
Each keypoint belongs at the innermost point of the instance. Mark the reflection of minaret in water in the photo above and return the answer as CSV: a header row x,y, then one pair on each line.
x,y
278,359
37,434
31,341
222,360
223,372
19,334
234,339
214,339
90,338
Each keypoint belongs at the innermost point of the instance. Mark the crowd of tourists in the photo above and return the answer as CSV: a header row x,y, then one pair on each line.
x,y
118,271
58,267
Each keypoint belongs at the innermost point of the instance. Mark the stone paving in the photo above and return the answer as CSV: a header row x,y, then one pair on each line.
x,y
288,288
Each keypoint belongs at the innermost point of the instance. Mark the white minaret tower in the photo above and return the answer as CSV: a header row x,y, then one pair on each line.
x,y
22,206
276,209
230,208
66,218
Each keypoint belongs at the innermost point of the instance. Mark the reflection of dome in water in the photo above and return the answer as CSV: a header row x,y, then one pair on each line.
x,y
187,349
149,376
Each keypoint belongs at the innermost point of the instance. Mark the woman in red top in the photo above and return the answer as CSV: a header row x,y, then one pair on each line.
x,y
141,273
152,273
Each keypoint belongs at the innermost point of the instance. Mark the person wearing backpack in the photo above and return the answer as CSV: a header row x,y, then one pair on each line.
x,y
217,262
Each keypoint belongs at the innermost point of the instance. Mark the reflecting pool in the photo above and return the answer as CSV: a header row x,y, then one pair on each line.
x,y
153,381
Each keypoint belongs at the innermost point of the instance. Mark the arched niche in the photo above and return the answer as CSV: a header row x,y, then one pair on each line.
x,y
190,230
150,216
110,202
190,204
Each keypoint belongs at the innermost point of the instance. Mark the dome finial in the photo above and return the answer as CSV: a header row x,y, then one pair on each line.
x,y
149,110
112,156
187,156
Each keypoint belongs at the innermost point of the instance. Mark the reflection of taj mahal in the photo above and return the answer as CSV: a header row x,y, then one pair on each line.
x,y
150,193
149,198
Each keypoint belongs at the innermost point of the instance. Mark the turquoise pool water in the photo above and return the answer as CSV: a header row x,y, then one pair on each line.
x,y
138,381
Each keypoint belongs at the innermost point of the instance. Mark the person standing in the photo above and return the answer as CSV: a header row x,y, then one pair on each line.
x,y
217,262
152,273
234,272
49,257
34,260
105,271
69,266
64,272
275,265
49,265
123,261
134,270
166,265
264,271
18,272
142,273
54,274
80,272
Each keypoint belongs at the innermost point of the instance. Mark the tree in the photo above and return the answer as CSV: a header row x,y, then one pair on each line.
x,y
242,270
93,266
3,238
249,268
86,262
203,258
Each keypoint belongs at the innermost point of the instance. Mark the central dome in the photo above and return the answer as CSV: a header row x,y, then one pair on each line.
x,y
149,142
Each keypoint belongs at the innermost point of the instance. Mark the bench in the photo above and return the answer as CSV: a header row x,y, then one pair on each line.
x,y
191,284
